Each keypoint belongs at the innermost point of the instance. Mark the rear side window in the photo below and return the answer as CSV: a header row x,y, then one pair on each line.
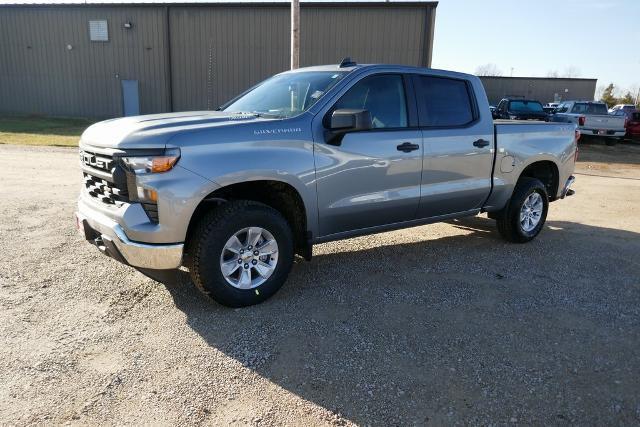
x,y
527,106
443,101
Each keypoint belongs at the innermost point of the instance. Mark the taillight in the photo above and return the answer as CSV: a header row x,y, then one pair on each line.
x,y
581,120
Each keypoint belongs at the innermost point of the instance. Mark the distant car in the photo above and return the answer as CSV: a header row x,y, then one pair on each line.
x,y
625,107
623,112
520,109
550,107
633,125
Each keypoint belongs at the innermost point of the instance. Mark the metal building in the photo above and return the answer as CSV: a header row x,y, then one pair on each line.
x,y
543,89
105,60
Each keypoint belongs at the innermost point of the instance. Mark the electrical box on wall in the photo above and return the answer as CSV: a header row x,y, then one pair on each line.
x,y
99,31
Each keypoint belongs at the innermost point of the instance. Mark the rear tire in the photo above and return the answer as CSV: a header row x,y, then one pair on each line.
x,y
210,252
529,196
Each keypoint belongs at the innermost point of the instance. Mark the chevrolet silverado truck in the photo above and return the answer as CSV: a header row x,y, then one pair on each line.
x,y
593,120
310,156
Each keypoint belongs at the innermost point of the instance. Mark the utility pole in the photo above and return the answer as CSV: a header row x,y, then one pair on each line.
x,y
295,34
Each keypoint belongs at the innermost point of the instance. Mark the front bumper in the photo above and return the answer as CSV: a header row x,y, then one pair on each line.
x,y
111,239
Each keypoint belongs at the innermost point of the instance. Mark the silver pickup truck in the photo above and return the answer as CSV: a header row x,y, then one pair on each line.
x,y
592,118
309,156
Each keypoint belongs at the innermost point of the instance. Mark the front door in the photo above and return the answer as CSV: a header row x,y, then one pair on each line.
x,y
371,178
458,147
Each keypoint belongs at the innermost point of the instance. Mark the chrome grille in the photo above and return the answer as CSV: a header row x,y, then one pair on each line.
x,y
106,180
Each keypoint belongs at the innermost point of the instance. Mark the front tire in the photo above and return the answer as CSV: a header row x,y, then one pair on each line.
x,y
240,253
525,215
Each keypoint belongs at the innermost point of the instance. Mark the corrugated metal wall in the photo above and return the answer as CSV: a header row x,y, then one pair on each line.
x,y
542,89
219,52
216,51
39,74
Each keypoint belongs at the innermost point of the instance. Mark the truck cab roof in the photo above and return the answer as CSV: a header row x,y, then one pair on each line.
x,y
385,67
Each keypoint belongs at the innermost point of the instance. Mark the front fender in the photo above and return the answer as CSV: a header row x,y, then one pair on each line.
x,y
253,154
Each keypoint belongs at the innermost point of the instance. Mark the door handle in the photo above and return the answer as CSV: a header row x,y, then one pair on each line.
x,y
407,147
481,143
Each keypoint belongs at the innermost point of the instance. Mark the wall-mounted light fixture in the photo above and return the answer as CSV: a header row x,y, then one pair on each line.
x,y
128,25
69,47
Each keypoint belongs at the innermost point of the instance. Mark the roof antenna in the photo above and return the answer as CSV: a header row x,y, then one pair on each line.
x,y
347,62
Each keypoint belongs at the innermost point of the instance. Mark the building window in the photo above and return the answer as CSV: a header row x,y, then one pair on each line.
x,y
99,31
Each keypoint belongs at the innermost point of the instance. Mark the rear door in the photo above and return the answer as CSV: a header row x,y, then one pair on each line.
x,y
458,146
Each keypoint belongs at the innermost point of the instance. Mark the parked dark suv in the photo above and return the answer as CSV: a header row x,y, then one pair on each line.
x,y
520,109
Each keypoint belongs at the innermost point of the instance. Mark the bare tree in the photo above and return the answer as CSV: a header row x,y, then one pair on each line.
x,y
571,72
553,74
488,70
635,91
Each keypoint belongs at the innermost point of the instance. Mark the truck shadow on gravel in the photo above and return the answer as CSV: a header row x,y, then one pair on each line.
x,y
463,328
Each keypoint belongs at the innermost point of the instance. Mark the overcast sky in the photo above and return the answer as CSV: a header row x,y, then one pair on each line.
x,y
601,38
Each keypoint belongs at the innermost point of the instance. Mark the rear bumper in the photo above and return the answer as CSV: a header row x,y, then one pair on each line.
x,y
607,132
567,191
110,238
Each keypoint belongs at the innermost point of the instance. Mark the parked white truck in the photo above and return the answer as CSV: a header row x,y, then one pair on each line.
x,y
593,119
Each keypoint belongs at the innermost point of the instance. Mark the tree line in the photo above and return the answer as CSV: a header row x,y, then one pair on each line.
x,y
608,96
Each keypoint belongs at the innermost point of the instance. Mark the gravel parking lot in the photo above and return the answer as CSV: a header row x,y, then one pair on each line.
x,y
438,324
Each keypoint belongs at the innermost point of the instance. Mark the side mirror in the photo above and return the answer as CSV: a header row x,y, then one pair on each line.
x,y
347,120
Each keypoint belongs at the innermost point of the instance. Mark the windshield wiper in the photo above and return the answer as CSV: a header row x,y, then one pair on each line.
x,y
268,114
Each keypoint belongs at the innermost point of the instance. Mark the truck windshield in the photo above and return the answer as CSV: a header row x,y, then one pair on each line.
x,y
589,108
534,106
286,95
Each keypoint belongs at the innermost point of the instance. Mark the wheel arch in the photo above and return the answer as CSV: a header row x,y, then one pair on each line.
x,y
276,193
547,171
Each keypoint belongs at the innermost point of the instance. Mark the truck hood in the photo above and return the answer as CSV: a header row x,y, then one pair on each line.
x,y
153,131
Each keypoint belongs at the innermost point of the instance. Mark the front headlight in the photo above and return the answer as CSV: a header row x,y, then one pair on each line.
x,y
135,163
141,164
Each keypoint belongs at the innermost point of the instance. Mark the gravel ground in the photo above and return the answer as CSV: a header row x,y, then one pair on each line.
x,y
438,324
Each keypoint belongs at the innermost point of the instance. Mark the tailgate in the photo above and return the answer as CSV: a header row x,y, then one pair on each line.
x,y
604,123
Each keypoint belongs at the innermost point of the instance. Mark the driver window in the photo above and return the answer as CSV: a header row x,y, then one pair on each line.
x,y
383,96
